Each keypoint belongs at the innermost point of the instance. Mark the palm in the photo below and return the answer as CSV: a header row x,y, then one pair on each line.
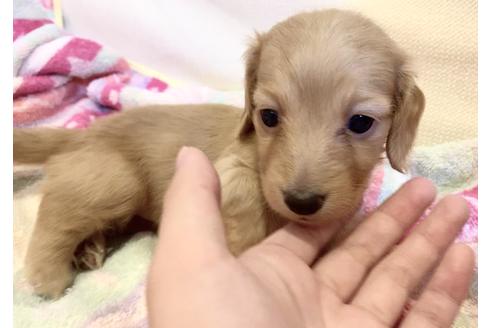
x,y
307,300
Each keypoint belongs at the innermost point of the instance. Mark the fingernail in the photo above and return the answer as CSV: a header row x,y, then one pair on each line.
x,y
182,156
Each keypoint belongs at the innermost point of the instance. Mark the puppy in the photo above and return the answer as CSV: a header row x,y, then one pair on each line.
x,y
327,93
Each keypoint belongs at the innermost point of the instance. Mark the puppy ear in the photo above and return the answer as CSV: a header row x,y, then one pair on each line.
x,y
409,103
252,57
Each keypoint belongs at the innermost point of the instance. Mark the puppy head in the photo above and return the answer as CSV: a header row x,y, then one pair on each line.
x,y
327,93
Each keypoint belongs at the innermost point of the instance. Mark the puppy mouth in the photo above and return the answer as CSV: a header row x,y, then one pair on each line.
x,y
317,220
304,220
309,222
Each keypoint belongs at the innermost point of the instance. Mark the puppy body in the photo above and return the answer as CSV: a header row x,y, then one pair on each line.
x,y
121,167
315,72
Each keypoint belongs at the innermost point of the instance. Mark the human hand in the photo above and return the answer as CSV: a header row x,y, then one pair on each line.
x,y
195,282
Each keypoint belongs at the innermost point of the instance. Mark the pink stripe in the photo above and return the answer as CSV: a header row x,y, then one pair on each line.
x,y
34,84
48,4
120,66
371,195
469,233
110,95
83,119
24,26
32,108
472,192
75,48
156,85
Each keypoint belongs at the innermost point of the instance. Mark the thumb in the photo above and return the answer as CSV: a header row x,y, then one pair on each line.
x,y
191,221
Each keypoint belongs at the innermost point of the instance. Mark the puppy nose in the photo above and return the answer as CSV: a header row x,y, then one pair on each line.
x,y
303,203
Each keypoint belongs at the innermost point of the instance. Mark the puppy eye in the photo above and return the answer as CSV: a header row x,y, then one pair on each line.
x,y
269,117
360,123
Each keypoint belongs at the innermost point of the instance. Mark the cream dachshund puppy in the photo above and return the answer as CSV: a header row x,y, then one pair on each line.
x,y
327,93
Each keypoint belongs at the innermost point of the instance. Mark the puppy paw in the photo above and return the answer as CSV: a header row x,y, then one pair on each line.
x,y
91,253
50,281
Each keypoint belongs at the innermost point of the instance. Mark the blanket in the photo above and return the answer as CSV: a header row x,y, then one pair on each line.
x,y
62,80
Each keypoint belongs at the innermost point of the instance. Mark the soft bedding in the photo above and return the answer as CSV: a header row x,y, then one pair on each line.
x,y
66,81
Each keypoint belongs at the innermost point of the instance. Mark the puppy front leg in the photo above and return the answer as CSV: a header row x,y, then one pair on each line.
x,y
242,205
243,231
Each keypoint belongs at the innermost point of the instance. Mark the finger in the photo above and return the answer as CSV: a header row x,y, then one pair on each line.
x,y
303,242
343,269
191,221
191,234
441,299
386,290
